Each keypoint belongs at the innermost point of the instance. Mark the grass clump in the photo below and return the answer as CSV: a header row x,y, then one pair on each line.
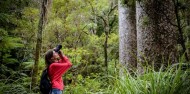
x,y
172,80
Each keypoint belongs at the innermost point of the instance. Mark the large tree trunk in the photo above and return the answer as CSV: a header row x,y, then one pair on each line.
x,y
127,35
156,34
43,18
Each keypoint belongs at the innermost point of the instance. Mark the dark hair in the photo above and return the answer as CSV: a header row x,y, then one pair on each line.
x,y
48,56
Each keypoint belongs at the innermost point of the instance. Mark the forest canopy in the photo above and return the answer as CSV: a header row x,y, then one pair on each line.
x,y
115,46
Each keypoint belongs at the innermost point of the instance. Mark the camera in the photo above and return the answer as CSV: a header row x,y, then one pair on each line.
x,y
58,48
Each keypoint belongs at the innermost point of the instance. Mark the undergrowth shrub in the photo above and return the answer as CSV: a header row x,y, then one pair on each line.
x,y
173,80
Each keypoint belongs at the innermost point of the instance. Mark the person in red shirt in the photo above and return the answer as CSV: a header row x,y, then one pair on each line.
x,y
57,65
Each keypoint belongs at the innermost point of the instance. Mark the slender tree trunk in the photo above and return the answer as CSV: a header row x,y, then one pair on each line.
x,y
188,37
108,25
179,26
156,35
41,25
127,35
188,18
106,30
106,51
1,57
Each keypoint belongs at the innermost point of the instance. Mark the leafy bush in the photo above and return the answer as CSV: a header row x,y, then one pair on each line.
x,y
19,86
84,85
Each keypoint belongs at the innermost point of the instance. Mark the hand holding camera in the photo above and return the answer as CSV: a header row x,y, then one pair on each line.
x,y
58,48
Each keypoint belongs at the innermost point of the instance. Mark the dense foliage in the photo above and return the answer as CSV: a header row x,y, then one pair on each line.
x,y
79,25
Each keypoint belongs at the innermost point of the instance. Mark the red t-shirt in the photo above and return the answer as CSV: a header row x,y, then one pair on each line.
x,y
56,70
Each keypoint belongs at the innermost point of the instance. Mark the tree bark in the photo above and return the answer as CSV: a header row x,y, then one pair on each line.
x,y
127,35
42,21
143,34
156,35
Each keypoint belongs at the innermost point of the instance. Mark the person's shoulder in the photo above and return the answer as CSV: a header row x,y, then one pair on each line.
x,y
54,64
